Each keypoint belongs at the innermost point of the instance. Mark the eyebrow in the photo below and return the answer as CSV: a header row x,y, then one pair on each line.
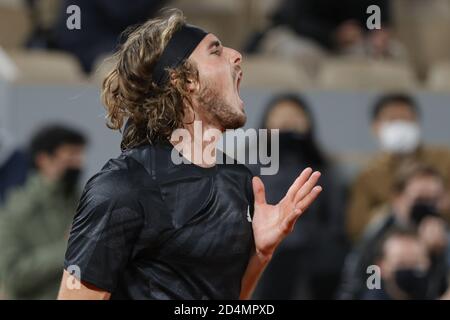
x,y
215,43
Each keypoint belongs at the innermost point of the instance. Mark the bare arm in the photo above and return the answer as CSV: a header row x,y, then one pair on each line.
x,y
73,289
254,270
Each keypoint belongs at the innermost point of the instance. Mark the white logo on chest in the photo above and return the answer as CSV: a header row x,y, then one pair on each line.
x,y
249,217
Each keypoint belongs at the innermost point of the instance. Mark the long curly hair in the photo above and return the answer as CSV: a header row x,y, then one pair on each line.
x,y
129,92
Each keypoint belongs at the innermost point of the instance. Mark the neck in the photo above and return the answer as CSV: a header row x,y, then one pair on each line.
x,y
197,142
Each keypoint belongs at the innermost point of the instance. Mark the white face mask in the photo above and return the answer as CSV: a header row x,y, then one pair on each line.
x,y
399,136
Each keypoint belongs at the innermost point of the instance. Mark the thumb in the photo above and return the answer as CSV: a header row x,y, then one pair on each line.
x,y
259,191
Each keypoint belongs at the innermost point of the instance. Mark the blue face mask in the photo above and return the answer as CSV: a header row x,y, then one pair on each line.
x,y
413,282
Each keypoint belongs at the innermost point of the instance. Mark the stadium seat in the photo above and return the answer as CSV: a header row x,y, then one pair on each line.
x,y
15,25
226,19
422,26
365,74
439,77
259,12
102,67
274,73
36,66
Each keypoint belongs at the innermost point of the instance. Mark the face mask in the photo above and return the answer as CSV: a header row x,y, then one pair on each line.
x,y
291,139
413,282
300,145
422,209
70,180
399,136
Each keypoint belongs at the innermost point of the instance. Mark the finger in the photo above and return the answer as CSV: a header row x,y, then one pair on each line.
x,y
292,219
307,186
259,191
310,197
298,183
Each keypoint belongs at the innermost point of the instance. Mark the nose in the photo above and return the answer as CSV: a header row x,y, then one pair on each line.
x,y
235,57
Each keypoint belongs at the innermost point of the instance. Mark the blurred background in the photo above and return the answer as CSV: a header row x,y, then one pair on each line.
x,y
370,108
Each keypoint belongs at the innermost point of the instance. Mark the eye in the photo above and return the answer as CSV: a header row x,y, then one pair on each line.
x,y
216,52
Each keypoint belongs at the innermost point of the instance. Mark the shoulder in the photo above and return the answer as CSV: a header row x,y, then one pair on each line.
x,y
18,159
110,181
120,178
377,226
437,152
242,169
110,198
239,173
376,169
378,163
31,193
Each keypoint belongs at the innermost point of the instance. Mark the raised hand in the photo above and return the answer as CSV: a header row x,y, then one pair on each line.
x,y
272,223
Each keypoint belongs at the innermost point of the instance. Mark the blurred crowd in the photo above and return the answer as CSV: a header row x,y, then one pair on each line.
x,y
39,192
303,28
103,22
384,235
393,216
310,34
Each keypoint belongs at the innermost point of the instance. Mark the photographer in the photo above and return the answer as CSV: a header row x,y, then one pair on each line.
x,y
419,196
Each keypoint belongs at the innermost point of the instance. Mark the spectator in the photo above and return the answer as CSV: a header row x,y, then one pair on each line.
x,y
102,22
13,165
404,267
43,15
35,220
309,29
419,197
308,264
396,124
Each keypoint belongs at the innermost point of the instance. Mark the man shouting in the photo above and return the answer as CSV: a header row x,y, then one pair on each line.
x,y
149,228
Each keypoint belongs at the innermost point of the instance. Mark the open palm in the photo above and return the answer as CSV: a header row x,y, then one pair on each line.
x,y
272,223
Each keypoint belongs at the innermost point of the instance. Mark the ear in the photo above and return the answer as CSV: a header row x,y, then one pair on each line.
x,y
41,160
192,85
